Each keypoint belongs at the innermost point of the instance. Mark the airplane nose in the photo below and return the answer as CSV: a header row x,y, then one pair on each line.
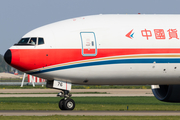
x,y
8,56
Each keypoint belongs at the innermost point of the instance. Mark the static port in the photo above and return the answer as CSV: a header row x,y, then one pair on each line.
x,y
85,81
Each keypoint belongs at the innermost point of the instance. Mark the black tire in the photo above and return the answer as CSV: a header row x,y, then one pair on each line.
x,y
69,104
61,104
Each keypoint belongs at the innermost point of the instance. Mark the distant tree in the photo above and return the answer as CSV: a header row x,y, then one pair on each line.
x,y
4,67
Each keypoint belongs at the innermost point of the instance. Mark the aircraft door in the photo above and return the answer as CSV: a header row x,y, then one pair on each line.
x,y
89,45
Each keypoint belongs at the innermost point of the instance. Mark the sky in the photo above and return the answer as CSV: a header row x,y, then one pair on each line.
x,y
17,17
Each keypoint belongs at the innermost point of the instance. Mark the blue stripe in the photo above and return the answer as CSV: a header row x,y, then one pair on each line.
x,y
119,61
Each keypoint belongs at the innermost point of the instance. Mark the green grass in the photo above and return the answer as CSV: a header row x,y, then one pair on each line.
x,y
8,79
80,87
89,103
111,87
59,117
24,87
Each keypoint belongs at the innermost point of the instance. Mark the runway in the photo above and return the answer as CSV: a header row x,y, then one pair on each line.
x,y
40,92
90,113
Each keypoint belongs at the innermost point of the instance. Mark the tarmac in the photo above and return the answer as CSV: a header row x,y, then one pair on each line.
x,y
89,113
110,92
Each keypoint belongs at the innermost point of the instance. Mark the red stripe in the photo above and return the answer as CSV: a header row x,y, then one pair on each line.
x,y
29,59
28,78
89,51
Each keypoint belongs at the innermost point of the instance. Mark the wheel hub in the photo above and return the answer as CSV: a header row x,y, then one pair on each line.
x,y
69,104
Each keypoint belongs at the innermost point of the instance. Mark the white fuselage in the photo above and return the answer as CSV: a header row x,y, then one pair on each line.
x,y
105,50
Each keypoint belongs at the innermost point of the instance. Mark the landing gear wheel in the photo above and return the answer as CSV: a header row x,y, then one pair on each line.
x,y
66,103
61,104
69,104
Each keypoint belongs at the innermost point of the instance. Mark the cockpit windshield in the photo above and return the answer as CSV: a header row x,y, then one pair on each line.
x,y
31,41
23,41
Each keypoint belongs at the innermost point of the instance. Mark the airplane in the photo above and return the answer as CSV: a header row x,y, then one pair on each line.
x,y
109,49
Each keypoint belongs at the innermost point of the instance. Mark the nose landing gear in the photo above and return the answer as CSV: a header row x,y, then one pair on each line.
x,y
66,103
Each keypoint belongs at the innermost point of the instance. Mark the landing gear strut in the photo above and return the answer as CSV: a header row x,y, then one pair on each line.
x,y
66,103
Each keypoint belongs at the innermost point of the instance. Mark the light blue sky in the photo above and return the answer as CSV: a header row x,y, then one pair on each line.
x,y
17,17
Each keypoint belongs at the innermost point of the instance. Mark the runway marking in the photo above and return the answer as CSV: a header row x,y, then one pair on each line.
x,y
89,113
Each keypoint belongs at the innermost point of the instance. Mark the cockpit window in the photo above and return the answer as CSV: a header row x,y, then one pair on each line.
x,y
33,41
23,41
40,41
